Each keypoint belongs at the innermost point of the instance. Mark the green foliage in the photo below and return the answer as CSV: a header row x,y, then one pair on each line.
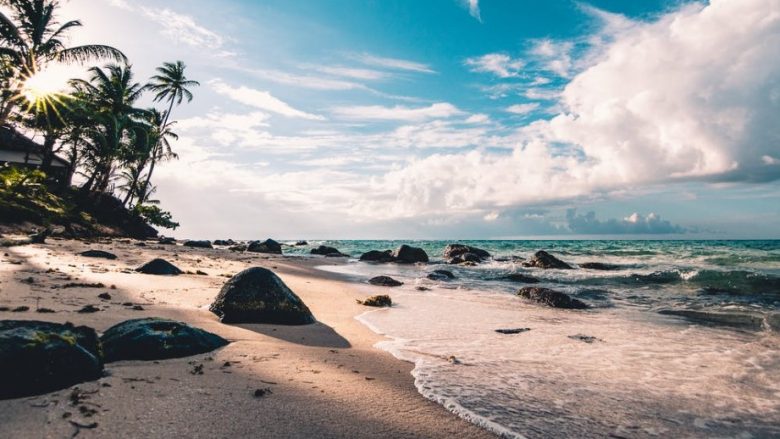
x,y
155,216
21,182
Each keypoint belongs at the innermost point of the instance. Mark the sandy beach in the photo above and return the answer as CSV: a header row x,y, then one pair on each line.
x,y
322,380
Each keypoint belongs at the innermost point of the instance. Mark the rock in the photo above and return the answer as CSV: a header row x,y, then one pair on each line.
x,y
159,267
513,331
301,243
156,339
377,301
746,320
104,296
238,248
385,281
267,246
378,256
454,253
324,250
166,241
40,237
98,254
198,244
257,295
521,278
552,298
409,255
585,338
88,309
599,266
542,259
39,357
224,242
441,275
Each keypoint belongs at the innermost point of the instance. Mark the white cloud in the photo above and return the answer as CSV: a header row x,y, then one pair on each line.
x,y
304,81
398,112
183,28
499,64
522,109
351,72
393,63
478,119
473,6
262,100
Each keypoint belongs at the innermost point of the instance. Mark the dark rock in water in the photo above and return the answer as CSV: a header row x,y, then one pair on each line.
x,y
458,253
378,256
257,295
409,255
224,242
599,266
513,331
521,278
159,267
166,240
385,281
198,244
421,288
441,275
509,259
585,338
552,298
324,250
98,254
267,246
377,301
238,248
542,259
39,357
104,296
301,243
737,320
156,339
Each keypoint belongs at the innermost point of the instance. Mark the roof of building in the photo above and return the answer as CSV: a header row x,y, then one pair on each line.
x,y
12,140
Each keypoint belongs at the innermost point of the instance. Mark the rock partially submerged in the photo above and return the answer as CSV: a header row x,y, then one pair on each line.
x,y
548,297
159,267
542,259
521,278
599,266
198,244
385,281
324,250
460,253
257,295
513,331
406,254
380,301
267,246
156,339
744,320
378,256
441,275
39,357
98,254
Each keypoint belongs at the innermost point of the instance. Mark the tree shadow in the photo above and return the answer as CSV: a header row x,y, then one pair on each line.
x,y
315,335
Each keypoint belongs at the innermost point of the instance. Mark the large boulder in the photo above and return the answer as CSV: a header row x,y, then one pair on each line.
x,y
324,250
156,339
552,298
224,242
257,295
198,244
40,357
385,281
98,254
542,259
159,267
459,253
409,255
267,246
378,256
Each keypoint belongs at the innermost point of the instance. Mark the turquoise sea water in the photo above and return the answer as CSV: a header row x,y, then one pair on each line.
x,y
682,339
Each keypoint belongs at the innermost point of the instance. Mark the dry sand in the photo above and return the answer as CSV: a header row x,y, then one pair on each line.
x,y
325,380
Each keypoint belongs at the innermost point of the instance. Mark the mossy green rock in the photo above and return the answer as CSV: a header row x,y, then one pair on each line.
x,y
40,357
257,295
157,339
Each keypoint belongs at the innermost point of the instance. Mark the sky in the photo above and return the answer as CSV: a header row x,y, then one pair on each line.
x,y
456,119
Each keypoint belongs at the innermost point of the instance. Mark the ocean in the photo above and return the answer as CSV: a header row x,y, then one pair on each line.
x,y
682,338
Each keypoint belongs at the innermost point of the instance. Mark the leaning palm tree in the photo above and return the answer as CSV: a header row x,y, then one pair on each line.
x,y
171,85
32,38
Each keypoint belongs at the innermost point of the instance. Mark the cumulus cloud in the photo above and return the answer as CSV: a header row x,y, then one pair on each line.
x,y
398,112
499,64
262,100
634,224
522,109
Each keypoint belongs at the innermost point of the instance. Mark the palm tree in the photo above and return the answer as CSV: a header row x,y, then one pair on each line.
x,y
34,38
159,137
170,84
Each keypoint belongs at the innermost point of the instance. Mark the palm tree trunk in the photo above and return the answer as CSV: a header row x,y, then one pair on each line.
x,y
155,153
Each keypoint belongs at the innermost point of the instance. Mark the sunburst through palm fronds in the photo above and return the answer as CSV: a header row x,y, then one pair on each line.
x,y
42,95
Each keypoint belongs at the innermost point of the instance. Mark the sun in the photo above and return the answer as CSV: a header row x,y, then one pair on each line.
x,y
43,85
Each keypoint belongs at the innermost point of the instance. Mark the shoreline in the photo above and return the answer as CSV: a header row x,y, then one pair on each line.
x,y
326,379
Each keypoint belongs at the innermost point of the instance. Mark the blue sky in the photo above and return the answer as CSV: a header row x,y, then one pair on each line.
x,y
464,118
